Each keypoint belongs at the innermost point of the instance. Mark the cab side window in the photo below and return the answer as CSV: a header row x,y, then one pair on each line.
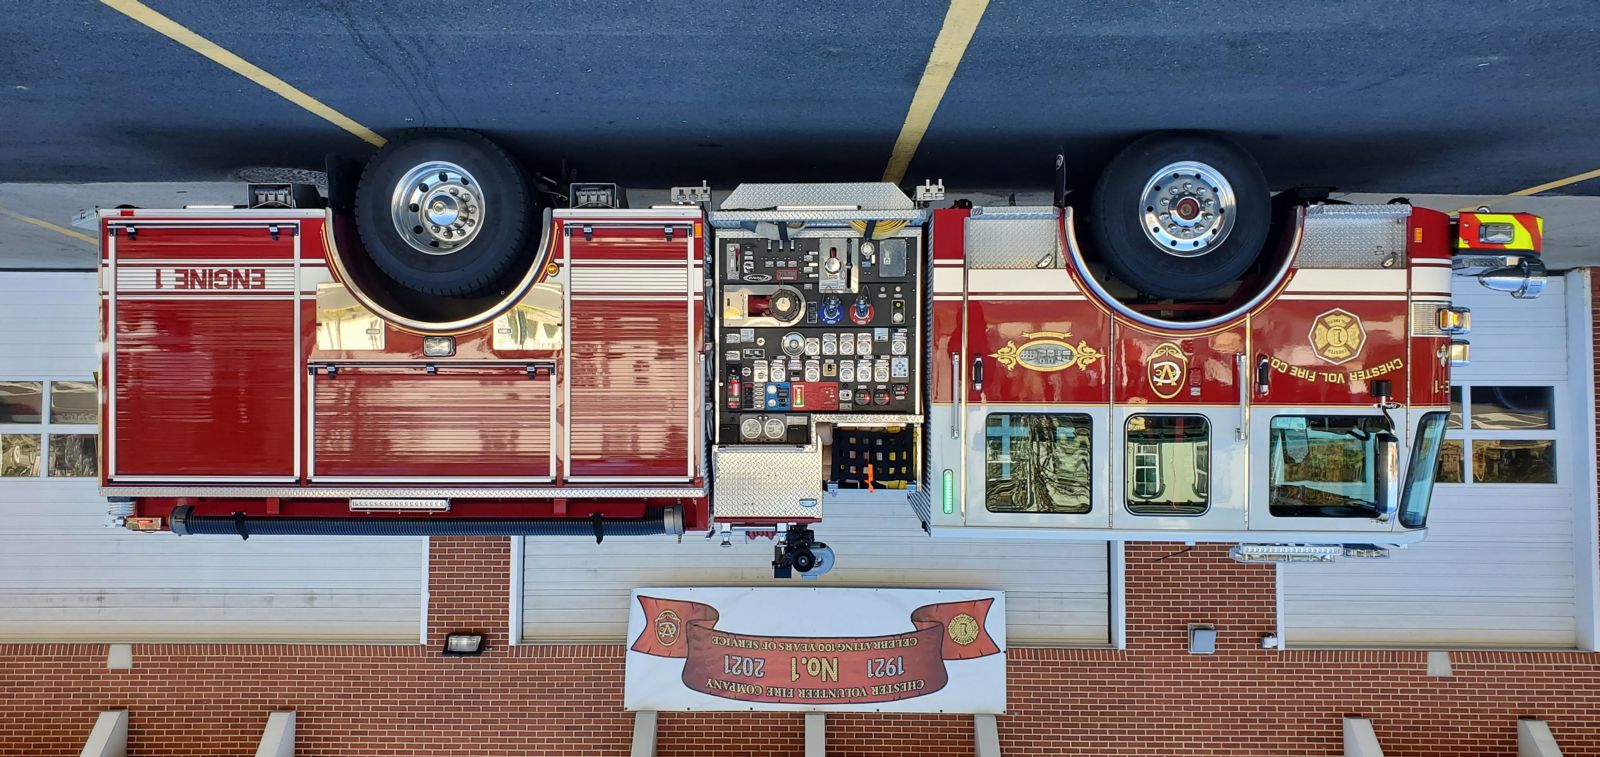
x,y
1037,463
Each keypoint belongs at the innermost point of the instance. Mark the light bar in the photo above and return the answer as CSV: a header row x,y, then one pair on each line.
x,y
1366,552
949,492
1460,353
1274,553
399,505
1453,320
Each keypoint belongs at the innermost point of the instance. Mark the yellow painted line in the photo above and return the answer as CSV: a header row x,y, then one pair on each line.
x,y
62,230
959,24
1558,183
178,33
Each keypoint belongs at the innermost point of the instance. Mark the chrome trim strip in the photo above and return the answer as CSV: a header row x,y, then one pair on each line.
x,y
111,364
288,215
513,296
690,354
479,492
206,479
566,359
434,479
624,479
1069,230
1085,533
298,409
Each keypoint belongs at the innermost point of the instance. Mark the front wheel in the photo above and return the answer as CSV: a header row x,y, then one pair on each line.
x,y
444,212
1180,215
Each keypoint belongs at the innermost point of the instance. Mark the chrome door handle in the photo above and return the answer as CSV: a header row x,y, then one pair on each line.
x,y
955,396
1242,433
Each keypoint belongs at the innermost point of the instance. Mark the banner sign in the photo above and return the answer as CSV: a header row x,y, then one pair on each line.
x,y
782,648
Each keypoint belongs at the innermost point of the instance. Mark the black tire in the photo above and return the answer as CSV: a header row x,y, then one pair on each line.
x,y
1118,230
509,218
804,560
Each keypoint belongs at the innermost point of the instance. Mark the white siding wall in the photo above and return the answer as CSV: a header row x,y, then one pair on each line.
x,y
1056,591
65,577
1497,568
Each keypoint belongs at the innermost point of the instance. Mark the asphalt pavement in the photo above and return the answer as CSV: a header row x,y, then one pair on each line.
x,y
1459,96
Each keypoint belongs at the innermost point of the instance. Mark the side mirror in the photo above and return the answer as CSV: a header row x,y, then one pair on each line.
x,y
1388,475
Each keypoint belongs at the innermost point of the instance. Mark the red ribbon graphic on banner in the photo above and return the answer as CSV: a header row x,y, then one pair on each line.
x,y
815,670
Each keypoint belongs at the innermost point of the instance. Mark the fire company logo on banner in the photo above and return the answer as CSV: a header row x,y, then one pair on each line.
x,y
794,649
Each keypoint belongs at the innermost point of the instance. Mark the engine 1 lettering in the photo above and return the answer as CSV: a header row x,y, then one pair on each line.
x,y
211,278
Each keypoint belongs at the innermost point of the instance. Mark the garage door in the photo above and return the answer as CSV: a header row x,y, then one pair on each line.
x,y
63,576
1056,592
1498,566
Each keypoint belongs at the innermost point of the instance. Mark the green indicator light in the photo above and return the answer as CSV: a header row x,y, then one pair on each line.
x,y
949,492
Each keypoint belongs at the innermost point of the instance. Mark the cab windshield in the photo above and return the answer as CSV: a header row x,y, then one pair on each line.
x,y
1325,466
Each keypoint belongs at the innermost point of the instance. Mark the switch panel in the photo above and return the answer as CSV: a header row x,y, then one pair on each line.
x,y
816,324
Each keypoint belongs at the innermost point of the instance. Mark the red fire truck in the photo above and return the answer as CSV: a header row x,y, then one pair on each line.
x,y
451,345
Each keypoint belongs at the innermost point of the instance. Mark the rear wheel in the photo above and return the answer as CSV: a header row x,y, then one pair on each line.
x,y
444,212
1179,215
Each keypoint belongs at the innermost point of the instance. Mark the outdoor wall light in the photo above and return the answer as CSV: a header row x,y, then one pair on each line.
x,y
463,644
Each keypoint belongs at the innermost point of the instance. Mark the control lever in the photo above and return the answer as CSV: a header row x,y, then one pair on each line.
x,y
977,374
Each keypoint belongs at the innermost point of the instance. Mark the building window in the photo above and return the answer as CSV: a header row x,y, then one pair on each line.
x,y
47,429
1168,459
21,402
1146,471
19,455
1499,435
1037,463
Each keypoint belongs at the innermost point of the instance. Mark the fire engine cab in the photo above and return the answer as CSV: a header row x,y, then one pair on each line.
x,y
449,344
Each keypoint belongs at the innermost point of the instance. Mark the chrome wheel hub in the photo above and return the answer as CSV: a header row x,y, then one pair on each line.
x,y
437,208
1187,209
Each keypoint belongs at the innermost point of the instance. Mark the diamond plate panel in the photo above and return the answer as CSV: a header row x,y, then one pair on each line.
x,y
767,482
867,195
1014,238
1354,236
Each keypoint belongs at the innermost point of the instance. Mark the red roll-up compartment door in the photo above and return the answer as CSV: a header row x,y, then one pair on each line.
x,y
633,384
459,423
204,370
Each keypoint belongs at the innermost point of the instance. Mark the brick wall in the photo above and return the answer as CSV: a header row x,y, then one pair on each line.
x,y
1152,699
469,584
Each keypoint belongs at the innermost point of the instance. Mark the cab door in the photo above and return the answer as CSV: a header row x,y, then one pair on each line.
x,y
1035,390
1178,469
1178,450
1320,469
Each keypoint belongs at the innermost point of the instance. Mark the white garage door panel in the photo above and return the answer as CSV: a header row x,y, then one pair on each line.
x,y
63,576
1498,566
1056,592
